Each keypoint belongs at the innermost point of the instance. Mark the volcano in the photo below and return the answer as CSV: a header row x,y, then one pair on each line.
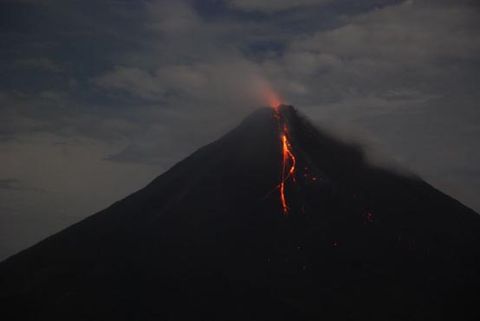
x,y
276,220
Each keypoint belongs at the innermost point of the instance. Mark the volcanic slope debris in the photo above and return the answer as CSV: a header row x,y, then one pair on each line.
x,y
274,221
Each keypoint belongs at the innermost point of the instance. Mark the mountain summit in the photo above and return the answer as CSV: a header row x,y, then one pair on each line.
x,y
274,221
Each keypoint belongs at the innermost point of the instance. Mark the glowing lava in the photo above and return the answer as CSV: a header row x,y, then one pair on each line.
x,y
288,159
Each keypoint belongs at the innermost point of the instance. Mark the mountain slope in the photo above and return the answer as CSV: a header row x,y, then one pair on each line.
x,y
208,240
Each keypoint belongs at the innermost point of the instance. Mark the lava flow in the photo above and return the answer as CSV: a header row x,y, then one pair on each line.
x,y
288,159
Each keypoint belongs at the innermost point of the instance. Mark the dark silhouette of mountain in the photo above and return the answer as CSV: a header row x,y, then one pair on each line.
x,y
208,240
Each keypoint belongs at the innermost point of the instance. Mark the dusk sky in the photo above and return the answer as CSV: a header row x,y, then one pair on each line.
x,y
97,98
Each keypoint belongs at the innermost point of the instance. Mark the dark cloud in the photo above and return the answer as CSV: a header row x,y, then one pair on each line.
x,y
274,5
9,183
41,63
13,184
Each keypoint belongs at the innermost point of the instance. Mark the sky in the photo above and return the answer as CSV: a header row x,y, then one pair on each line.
x,y
97,98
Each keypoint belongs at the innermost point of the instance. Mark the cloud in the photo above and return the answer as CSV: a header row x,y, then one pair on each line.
x,y
206,81
44,64
274,5
190,60
396,47
9,183
29,1
133,80
409,32
13,184
171,17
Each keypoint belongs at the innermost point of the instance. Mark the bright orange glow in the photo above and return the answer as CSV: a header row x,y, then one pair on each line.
x,y
288,155
289,162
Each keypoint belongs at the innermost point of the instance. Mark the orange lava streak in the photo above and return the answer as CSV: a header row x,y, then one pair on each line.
x,y
288,154
288,163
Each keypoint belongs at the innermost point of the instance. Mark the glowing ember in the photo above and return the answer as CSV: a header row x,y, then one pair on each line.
x,y
288,160
369,217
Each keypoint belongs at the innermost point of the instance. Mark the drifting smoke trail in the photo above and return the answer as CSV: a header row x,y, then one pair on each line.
x,y
264,91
